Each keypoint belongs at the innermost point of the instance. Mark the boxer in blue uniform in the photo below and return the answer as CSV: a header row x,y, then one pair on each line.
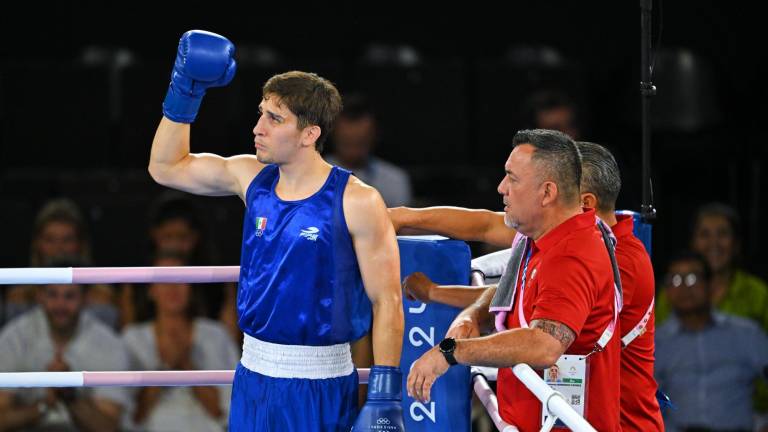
x,y
319,255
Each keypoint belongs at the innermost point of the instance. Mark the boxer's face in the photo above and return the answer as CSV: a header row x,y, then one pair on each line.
x,y
520,189
276,135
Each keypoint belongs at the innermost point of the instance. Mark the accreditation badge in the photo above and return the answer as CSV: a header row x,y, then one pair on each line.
x,y
569,377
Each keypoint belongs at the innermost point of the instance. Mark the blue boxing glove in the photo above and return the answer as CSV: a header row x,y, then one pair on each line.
x,y
383,410
203,60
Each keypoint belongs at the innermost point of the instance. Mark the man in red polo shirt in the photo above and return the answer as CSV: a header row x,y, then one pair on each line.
x,y
600,185
566,286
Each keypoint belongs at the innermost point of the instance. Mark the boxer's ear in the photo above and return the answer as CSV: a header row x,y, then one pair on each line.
x,y
310,135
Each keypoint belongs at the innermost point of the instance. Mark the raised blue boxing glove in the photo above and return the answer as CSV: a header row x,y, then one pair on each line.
x,y
203,60
383,411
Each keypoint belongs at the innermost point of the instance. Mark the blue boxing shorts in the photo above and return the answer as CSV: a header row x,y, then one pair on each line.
x,y
292,388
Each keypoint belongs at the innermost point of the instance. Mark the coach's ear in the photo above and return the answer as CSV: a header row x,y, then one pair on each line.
x,y
588,200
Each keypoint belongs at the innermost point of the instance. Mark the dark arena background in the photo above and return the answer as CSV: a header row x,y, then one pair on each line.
x,y
81,89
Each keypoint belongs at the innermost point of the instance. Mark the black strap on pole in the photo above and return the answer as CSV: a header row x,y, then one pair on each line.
x,y
647,91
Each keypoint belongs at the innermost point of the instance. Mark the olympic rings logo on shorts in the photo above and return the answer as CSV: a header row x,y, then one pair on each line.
x,y
382,421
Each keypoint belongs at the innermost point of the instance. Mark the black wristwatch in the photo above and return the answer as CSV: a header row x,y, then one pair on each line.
x,y
447,347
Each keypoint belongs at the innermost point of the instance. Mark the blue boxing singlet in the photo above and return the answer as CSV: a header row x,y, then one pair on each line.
x,y
300,283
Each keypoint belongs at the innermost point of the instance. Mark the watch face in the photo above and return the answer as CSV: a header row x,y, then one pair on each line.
x,y
448,344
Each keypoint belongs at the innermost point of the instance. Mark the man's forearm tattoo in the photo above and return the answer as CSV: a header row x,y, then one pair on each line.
x,y
557,330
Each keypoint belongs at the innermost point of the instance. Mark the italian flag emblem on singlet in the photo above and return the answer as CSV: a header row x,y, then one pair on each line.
x,y
261,225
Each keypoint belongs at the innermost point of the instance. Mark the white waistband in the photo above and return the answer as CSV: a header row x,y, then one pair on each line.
x,y
296,361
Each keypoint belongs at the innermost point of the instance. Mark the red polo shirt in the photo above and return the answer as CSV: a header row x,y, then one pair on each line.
x,y
569,280
639,407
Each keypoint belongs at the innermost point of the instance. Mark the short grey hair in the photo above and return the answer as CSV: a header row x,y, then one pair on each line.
x,y
599,174
559,156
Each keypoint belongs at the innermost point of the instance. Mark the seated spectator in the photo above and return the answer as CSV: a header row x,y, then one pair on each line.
x,y
178,339
716,236
706,361
60,336
354,137
176,227
60,232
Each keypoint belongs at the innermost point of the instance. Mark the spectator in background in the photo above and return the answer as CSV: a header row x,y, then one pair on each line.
x,y
354,137
60,233
551,109
706,361
176,227
60,336
178,339
716,236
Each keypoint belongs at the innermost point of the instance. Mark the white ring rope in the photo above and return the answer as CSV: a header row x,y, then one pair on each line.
x,y
96,275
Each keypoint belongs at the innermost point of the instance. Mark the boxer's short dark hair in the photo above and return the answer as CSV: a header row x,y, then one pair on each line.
x,y
312,98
